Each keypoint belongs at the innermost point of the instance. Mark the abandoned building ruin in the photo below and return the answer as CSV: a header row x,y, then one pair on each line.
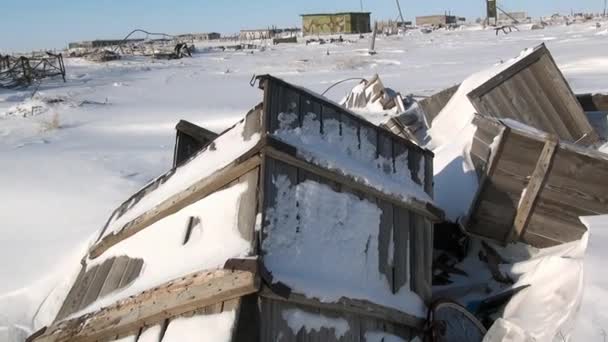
x,y
23,71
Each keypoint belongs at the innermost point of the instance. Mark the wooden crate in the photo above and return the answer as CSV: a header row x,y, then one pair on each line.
x,y
562,182
535,92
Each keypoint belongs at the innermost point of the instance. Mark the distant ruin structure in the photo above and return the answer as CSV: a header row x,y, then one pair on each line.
x,y
336,23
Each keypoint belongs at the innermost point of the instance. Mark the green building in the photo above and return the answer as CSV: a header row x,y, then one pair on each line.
x,y
332,23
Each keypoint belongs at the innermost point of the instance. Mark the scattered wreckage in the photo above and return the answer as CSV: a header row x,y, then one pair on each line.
x,y
23,71
306,222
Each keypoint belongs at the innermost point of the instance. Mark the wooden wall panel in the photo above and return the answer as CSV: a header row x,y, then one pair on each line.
x,y
397,225
338,121
534,91
275,327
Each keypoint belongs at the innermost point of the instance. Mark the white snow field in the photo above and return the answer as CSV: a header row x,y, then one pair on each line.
x,y
74,151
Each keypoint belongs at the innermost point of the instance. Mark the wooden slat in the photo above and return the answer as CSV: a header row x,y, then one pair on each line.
x,y
355,306
401,246
71,301
248,205
131,272
97,283
116,273
173,204
531,195
433,105
154,306
425,209
77,293
385,236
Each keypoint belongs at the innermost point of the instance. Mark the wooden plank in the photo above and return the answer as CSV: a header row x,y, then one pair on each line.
x,y
385,235
572,106
426,209
429,183
73,303
531,195
97,283
549,112
200,134
154,306
112,282
73,298
433,105
173,204
418,263
402,222
248,205
385,150
355,306
131,272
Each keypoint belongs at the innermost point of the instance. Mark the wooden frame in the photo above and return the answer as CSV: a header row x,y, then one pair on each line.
x,y
533,187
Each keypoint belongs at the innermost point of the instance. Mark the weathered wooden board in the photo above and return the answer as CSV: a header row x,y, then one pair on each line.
x,y
343,324
398,223
535,92
177,297
432,105
282,98
112,274
189,140
562,182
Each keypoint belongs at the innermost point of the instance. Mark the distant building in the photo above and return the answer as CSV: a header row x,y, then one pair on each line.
x,y
335,23
200,36
94,44
436,20
257,34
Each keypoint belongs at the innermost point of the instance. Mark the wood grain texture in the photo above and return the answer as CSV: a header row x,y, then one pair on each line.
x,y
151,307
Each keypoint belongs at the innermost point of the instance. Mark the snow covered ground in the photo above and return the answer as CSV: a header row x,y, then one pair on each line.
x,y
73,152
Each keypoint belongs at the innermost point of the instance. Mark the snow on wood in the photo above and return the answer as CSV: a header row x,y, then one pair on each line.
x,y
153,306
215,239
335,152
298,320
309,224
216,327
226,148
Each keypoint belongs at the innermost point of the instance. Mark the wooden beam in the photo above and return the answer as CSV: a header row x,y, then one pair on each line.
x,y
177,297
173,204
288,154
532,192
200,134
348,305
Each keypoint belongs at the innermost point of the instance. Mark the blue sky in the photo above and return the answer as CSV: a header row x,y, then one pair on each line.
x,y
38,24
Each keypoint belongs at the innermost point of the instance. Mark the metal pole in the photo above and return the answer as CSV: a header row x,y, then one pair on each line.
x,y
605,2
361,4
401,14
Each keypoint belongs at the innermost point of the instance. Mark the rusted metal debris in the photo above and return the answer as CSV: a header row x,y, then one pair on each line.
x,y
22,71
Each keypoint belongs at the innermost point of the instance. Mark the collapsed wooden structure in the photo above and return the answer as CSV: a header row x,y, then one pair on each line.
x,y
275,172
23,71
533,186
